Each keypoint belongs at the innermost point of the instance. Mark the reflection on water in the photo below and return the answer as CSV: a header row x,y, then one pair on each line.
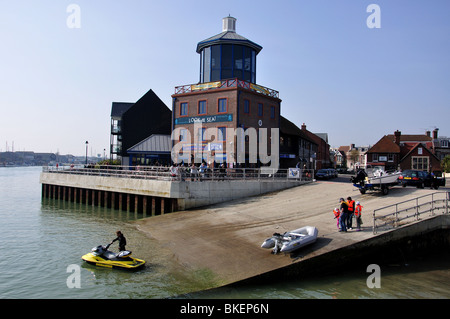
x,y
42,238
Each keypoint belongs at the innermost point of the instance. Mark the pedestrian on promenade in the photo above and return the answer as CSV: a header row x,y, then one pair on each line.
x,y
337,213
343,216
202,170
351,210
194,172
358,210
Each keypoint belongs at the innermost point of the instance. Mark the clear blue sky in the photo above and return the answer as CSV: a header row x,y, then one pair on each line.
x,y
333,72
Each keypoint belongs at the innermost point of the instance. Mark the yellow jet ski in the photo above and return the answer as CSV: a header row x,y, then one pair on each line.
x,y
101,256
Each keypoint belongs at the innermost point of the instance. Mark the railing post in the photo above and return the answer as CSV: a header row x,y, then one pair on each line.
x,y
446,202
396,216
432,204
374,224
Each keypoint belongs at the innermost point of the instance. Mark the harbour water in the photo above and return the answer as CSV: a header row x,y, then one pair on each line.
x,y
41,239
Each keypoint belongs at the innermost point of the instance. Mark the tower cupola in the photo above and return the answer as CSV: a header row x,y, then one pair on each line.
x,y
228,55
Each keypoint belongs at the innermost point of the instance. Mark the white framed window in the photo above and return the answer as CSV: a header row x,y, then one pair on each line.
x,y
420,163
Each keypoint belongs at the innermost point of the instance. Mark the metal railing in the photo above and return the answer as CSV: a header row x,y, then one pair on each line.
x,y
229,83
184,173
402,213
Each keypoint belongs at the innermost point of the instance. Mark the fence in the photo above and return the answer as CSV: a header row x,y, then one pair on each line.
x,y
186,174
399,214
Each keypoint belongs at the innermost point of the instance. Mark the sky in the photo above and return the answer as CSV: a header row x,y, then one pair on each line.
x,y
60,71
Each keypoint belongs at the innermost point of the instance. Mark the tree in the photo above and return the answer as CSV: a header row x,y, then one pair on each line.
x,y
445,164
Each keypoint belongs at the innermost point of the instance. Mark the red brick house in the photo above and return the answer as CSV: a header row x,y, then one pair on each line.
x,y
397,151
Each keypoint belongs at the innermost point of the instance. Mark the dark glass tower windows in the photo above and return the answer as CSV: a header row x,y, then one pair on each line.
x,y
227,61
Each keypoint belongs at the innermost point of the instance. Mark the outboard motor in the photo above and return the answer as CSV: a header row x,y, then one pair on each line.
x,y
360,177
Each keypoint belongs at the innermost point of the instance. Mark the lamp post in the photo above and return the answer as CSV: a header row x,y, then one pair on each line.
x,y
87,143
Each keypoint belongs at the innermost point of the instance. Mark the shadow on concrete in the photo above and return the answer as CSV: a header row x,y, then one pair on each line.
x,y
301,253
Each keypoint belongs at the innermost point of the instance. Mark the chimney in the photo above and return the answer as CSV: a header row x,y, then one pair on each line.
x,y
397,135
229,24
303,127
435,133
428,133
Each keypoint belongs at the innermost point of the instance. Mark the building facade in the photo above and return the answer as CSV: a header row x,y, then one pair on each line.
x,y
221,118
409,151
131,123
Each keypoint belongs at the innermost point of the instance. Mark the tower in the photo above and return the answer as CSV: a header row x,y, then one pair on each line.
x,y
226,99
228,55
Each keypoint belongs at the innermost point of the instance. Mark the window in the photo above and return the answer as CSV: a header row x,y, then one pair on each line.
x,y
222,133
260,109
222,106
246,106
419,163
390,157
272,112
201,107
183,109
201,134
444,143
374,157
183,135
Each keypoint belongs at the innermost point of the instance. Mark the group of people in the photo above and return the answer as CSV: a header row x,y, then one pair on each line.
x,y
344,214
196,173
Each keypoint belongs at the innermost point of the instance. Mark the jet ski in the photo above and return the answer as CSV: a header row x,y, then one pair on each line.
x,y
101,256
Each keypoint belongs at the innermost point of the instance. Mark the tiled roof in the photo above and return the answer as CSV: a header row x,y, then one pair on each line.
x,y
412,138
385,145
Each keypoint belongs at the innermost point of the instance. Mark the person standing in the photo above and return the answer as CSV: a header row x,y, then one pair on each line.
x,y
337,213
351,210
358,210
344,215
121,239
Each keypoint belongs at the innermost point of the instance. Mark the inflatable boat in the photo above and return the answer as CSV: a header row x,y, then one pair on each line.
x,y
292,240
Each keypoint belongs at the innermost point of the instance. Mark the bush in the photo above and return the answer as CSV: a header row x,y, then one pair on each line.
x,y
445,164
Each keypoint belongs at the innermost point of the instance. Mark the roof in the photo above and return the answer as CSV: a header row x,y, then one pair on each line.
x,y
228,37
412,137
416,146
118,108
385,145
155,143
289,128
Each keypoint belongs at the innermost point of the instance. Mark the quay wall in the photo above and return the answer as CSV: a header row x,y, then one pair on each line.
x,y
177,195
428,236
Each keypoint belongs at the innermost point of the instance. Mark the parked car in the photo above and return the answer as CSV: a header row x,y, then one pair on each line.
x,y
323,174
333,172
420,179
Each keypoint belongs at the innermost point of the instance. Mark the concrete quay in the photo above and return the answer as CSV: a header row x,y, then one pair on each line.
x,y
153,196
225,238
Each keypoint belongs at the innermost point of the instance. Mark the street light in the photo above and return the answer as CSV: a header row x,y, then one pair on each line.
x,y
87,143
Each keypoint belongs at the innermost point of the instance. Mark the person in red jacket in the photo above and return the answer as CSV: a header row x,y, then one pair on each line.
x,y
351,210
358,210
337,213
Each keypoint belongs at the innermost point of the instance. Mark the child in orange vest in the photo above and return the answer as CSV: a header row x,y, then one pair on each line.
x,y
358,210
337,213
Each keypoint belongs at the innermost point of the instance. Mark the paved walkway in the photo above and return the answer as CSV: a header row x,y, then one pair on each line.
x,y
226,238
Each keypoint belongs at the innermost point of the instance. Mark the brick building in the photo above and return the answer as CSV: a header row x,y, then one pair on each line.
x,y
206,116
409,151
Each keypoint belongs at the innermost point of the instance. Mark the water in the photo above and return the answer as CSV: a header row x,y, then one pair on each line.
x,y
40,239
